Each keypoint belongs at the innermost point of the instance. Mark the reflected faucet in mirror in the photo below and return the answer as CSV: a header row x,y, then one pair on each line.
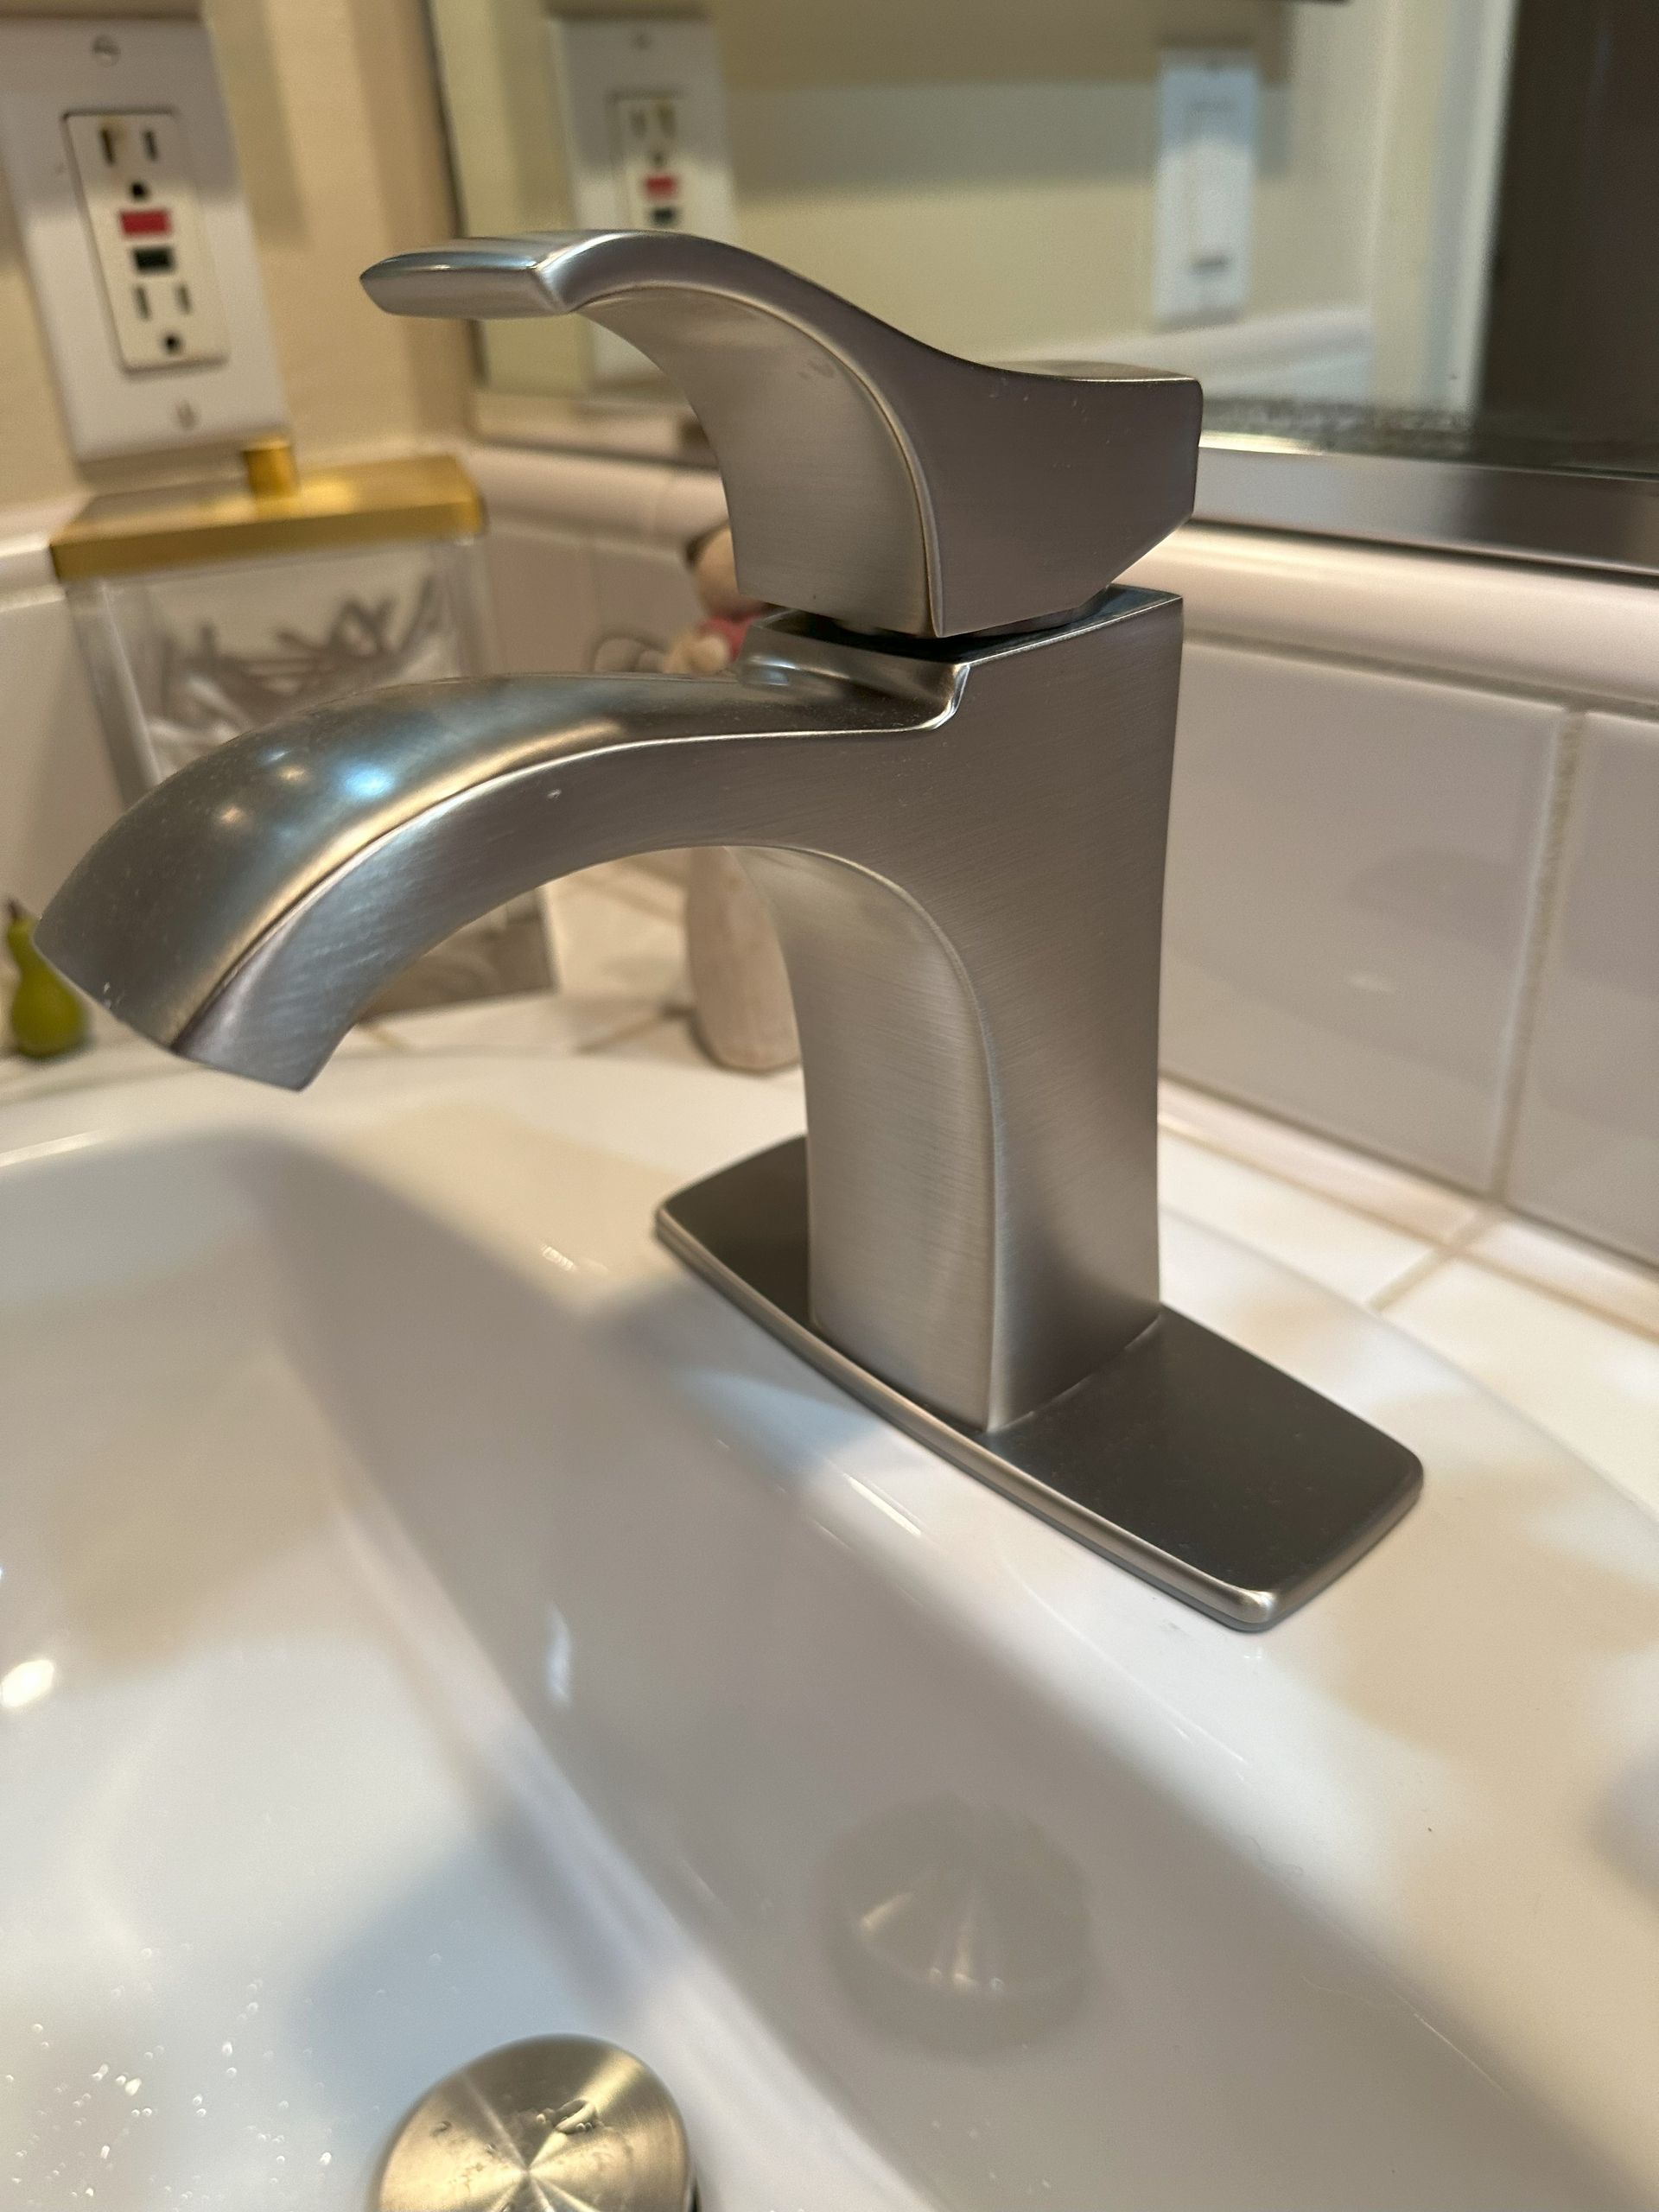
x,y
947,768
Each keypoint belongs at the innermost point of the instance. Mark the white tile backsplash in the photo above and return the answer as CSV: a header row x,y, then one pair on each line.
x,y
1353,865
613,945
1586,1150
57,789
546,601
1437,1212
586,494
25,539
692,504
1581,637
645,594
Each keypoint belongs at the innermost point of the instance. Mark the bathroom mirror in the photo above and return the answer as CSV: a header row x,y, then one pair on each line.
x,y
1395,238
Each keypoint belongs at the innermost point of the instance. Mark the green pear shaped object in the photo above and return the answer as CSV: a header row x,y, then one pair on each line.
x,y
46,1016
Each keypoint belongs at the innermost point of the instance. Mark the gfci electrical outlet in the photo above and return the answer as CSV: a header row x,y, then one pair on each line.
x,y
645,152
117,152
145,217
644,117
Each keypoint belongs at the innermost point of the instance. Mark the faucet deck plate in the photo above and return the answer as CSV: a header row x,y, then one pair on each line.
x,y
1185,1459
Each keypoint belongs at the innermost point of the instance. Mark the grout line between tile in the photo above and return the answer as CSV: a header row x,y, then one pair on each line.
x,y
1414,1272
1454,1247
1541,930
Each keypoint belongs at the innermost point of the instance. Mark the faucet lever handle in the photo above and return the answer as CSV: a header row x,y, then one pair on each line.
x,y
869,478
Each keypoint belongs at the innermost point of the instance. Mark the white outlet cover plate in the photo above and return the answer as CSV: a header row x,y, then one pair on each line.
x,y
597,61
52,69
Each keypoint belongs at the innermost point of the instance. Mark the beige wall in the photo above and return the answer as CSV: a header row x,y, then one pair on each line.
x,y
1001,217
1321,143
986,219
335,119
778,44
985,174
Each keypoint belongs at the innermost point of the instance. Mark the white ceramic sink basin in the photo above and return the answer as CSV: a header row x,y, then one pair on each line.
x,y
429,1618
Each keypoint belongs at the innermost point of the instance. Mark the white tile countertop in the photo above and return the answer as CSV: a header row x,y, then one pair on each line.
x,y
1563,1332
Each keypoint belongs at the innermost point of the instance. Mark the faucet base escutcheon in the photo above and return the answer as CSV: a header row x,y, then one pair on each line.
x,y
1183,1458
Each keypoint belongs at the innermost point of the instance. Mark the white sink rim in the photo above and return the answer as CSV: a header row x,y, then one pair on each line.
x,y
1279,1744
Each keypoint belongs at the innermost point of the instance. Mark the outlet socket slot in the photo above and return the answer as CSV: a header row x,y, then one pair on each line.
x,y
121,158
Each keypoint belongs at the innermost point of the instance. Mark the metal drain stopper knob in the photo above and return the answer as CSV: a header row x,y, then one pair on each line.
x,y
552,2123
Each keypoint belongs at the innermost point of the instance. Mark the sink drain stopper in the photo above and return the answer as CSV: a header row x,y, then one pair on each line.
x,y
554,2123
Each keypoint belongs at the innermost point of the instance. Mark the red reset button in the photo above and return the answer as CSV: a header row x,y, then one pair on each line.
x,y
145,222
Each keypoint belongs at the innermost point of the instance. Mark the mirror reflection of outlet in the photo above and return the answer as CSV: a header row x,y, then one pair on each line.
x,y
646,138
642,119
145,217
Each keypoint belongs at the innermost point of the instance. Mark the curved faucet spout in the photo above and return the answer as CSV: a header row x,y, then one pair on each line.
x,y
961,848
244,913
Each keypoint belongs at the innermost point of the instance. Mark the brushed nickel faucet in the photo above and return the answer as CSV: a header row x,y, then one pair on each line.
x,y
948,770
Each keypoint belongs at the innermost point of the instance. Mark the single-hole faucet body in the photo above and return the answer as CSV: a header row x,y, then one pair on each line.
x,y
949,774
